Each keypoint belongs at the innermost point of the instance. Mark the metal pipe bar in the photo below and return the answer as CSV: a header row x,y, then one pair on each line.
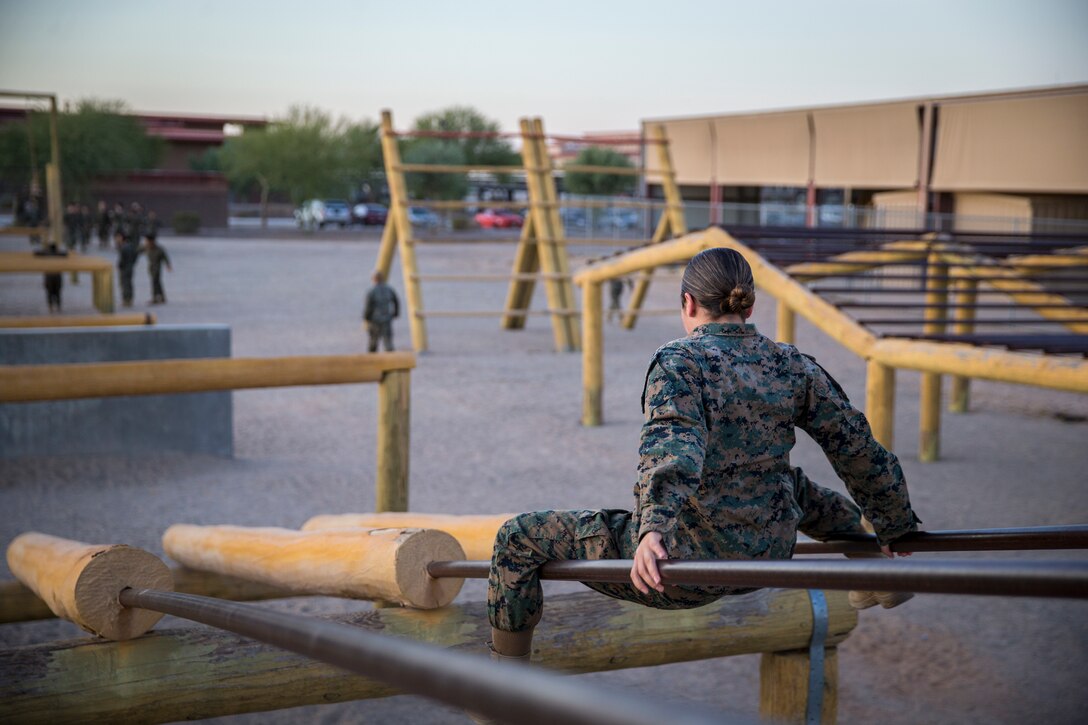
x,y
923,290
510,694
949,320
1010,539
879,274
493,313
954,306
1060,579
1048,343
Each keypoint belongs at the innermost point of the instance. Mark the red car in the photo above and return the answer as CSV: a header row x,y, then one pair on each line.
x,y
498,219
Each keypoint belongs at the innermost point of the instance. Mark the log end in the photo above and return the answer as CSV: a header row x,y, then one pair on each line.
x,y
100,583
417,549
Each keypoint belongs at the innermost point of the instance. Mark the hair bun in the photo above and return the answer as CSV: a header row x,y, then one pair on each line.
x,y
740,298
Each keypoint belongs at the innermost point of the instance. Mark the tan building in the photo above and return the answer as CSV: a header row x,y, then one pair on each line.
x,y
997,161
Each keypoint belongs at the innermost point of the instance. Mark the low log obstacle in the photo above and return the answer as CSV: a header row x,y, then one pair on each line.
x,y
79,320
378,564
18,603
475,533
81,582
190,674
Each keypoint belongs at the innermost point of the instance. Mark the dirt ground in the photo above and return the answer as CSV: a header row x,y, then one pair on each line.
x,y
495,427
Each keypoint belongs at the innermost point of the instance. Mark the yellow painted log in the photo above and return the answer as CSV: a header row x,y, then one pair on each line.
x,y
394,441
22,383
19,262
786,324
198,673
929,415
592,354
1045,371
475,533
966,290
385,564
18,603
783,686
880,402
851,263
80,582
78,321
525,271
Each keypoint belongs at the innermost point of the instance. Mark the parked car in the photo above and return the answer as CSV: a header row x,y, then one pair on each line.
x,y
498,219
421,216
613,218
369,213
317,213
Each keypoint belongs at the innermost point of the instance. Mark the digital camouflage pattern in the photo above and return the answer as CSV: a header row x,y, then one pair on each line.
x,y
714,478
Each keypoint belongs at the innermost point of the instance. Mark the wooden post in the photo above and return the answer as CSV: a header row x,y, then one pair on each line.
x,y
880,402
783,686
672,224
592,354
966,296
402,229
102,285
929,438
386,564
80,582
394,437
787,323
197,672
526,262
475,533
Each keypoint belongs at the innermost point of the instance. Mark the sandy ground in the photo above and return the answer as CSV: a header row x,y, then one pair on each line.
x,y
495,427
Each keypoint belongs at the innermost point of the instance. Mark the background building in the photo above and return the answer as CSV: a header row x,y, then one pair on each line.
x,y
1013,161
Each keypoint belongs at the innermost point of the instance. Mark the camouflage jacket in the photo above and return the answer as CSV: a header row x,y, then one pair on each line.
x,y
714,477
381,304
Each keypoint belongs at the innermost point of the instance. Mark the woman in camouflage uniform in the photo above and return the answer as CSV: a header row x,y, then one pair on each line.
x,y
714,479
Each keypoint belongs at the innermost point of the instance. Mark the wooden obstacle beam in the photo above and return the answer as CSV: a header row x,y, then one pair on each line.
x,y
475,533
377,564
81,582
146,318
391,370
19,603
101,271
190,674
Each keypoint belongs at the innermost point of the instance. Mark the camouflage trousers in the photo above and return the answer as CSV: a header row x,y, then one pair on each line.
x,y
380,332
515,601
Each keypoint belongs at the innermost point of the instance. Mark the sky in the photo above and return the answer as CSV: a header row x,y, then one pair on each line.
x,y
588,65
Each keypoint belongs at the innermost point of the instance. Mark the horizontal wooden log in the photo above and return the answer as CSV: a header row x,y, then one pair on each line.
x,y
19,262
201,673
18,603
25,383
78,320
379,564
80,582
475,533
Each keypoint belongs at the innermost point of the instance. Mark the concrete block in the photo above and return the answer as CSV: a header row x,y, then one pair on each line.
x,y
190,422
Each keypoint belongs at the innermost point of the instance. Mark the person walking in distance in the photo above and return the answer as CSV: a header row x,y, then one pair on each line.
x,y
382,306
103,222
156,257
128,251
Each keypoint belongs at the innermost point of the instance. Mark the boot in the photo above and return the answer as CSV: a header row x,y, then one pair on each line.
x,y
507,648
866,599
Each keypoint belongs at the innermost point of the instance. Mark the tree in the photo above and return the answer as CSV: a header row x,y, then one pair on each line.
x,y
303,155
435,186
479,150
600,184
95,139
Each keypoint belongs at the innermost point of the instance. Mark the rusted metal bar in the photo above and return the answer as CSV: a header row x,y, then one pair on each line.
x,y
1059,579
509,694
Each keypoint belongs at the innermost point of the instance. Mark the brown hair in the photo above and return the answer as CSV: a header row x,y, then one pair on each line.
x,y
720,281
